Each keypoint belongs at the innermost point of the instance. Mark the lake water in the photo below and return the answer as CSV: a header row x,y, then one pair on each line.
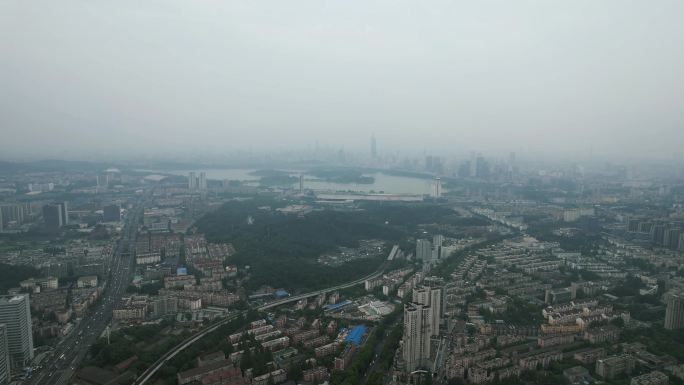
x,y
383,182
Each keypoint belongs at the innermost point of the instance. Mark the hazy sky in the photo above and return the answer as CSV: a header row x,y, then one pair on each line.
x,y
88,76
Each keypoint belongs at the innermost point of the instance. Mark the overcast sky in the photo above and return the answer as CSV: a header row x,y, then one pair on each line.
x,y
81,77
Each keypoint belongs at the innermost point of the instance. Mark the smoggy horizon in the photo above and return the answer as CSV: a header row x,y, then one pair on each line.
x,y
170,78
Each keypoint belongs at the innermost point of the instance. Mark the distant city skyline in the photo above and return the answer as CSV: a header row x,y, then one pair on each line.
x,y
563,79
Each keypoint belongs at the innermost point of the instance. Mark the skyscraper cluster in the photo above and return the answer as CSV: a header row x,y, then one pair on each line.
x,y
669,234
197,183
14,212
431,251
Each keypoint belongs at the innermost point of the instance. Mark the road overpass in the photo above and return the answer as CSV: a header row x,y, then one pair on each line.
x,y
295,298
149,373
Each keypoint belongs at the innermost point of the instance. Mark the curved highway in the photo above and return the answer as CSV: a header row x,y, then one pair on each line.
x,y
283,301
147,374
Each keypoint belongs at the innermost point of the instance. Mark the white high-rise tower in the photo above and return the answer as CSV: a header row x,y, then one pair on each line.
x,y
416,339
192,181
674,314
437,188
15,313
4,356
423,249
432,298
203,181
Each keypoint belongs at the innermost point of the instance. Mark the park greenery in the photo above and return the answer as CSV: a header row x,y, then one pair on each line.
x,y
341,175
11,275
145,342
282,250
271,177
658,340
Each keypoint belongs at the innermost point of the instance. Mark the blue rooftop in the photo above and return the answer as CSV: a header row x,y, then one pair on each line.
x,y
355,334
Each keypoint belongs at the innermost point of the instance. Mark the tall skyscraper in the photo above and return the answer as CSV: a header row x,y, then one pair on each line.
x,y
671,238
674,315
437,242
423,249
15,313
430,297
192,181
52,215
203,181
416,339
4,356
374,147
64,208
658,234
437,188
301,183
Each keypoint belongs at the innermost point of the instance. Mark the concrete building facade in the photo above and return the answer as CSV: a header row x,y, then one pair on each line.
x,y
416,339
15,313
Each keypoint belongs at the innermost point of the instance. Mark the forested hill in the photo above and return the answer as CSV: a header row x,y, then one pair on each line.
x,y
282,249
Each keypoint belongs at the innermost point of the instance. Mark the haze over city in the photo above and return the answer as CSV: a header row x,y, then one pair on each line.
x,y
82,80
341,192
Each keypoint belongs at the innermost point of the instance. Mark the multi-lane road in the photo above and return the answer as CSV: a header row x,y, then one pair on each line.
x,y
60,364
